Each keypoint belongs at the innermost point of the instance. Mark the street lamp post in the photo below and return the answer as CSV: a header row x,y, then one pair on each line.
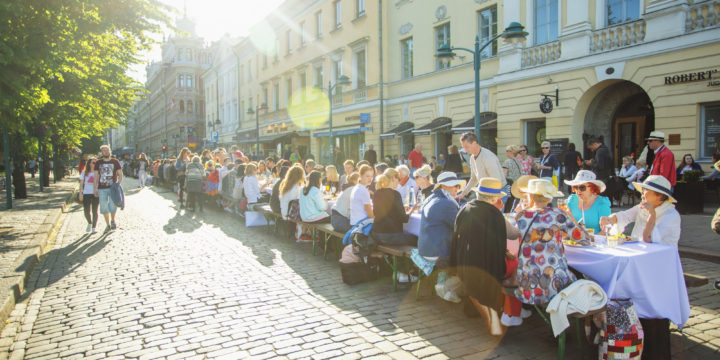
x,y
514,33
256,111
341,81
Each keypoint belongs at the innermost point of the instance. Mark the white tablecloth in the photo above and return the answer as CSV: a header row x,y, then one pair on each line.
x,y
649,274
413,225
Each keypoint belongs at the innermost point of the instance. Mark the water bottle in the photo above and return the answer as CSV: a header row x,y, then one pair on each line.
x,y
411,192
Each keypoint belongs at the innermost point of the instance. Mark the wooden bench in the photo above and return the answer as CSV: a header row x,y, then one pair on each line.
x,y
395,252
692,280
270,215
329,234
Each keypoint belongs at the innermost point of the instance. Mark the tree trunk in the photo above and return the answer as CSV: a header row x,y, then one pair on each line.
x,y
46,166
19,170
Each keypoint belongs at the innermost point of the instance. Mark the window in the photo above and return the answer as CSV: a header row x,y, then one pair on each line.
x,y
264,61
546,21
620,11
188,54
318,25
360,8
534,136
442,37
288,39
265,96
277,50
487,29
337,69
182,107
338,14
303,85
406,51
249,70
180,55
288,92
189,81
319,80
303,35
359,74
709,130
276,97
189,107
180,81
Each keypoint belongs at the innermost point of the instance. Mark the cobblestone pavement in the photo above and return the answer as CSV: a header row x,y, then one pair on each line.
x,y
168,284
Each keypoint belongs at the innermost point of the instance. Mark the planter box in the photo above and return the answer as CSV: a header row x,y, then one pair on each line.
x,y
690,197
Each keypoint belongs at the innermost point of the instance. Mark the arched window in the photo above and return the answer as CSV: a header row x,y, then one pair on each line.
x,y
182,106
190,107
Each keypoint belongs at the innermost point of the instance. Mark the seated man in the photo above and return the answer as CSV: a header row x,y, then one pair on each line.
x,y
478,251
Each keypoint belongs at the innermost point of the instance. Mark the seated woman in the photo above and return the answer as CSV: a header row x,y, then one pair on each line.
x,y
275,195
655,218
688,163
251,187
340,216
290,188
638,175
656,221
586,205
332,179
360,200
437,218
543,269
423,179
389,212
313,208
349,167
478,250
405,182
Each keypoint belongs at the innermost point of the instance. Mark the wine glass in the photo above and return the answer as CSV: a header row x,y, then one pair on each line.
x,y
332,189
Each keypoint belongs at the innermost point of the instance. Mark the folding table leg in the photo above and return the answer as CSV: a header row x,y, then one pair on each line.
x,y
314,246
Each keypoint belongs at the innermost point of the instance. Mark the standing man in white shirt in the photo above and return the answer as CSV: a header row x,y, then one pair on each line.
x,y
483,163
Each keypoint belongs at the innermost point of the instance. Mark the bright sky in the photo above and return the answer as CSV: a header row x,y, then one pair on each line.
x,y
213,18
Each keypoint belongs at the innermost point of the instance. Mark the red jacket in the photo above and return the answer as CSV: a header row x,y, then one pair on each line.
x,y
415,159
664,164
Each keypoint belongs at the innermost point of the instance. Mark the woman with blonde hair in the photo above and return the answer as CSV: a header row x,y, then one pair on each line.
x,y
526,160
349,167
251,187
340,216
390,212
332,179
290,188
424,180
360,200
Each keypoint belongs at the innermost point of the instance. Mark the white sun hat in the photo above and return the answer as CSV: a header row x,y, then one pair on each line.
x,y
584,177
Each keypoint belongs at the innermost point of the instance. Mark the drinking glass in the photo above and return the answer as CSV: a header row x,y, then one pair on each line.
x,y
562,204
332,189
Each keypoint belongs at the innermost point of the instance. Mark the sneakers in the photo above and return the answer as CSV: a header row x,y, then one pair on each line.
x,y
107,229
402,277
88,228
113,226
94,230
304,239
525,313
511,320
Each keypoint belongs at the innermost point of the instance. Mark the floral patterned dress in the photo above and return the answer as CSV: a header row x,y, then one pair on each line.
x,y
527,164
542,267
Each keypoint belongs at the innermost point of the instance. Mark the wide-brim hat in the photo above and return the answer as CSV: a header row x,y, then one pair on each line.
x,y
542,187
658,184
584,177
521,182
491,187
448,178
656,135
717,165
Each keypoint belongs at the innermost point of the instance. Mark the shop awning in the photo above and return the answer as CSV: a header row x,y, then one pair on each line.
x,y
488,120
439,124
399,130
341,131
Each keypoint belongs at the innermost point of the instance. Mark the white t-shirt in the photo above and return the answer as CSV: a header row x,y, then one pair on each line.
x,y
293,194
358,199
342,205
89,187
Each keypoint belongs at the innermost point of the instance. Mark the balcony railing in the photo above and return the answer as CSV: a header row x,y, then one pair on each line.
x,y
337,100
359,95
702,15
541,54
617,36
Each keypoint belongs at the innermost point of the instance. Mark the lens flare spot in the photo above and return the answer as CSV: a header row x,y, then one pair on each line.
x,y
264,38
309,109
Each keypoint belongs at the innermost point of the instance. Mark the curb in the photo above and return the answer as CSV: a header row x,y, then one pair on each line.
x,y
16,282
699,254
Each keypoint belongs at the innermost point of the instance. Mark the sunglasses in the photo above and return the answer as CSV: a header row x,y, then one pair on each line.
x,y
580,188
523,150
545,147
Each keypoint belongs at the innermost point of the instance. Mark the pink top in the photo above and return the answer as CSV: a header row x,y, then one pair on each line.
x,y
526,163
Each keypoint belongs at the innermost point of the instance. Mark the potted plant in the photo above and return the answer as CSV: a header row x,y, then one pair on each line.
x,y
689,193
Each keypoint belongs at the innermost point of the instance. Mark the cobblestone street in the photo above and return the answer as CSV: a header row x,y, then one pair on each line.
x,y
171,284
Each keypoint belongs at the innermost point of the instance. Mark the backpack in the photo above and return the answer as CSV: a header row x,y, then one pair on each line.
x,y
356,273
194,173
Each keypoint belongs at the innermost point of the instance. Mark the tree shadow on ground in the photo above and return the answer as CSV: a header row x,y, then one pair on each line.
x,y
65,260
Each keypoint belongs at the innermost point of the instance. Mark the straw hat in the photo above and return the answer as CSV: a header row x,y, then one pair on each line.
x,y
542,187
584,177
656,135
717,166
491,187
658,184
521,182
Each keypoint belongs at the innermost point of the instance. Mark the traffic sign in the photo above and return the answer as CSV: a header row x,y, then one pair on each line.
x,y
191,141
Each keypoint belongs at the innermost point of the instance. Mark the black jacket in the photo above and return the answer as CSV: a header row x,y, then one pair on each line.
x,y
602,163
478,252
454,163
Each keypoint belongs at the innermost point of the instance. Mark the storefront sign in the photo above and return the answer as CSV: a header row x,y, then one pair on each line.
x,y
558,146
364,118
692,77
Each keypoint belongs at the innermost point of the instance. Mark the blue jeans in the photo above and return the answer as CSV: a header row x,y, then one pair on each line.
x,y
107,206
339,222
402,238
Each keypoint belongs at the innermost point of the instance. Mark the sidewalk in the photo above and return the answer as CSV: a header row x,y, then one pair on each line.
x,y
26,230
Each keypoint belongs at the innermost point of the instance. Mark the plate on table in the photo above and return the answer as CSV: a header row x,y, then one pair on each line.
x,y
573,244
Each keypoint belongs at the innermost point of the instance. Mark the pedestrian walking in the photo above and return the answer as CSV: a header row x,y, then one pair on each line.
x,y
32,165
107,172
664,162
180,165
142,167
87,195
194,178
370,155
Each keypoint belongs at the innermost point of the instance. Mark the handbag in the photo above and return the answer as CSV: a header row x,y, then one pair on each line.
x,y
621,334
293,213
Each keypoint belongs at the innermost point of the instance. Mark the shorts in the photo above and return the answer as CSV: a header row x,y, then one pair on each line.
x,y
107,206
